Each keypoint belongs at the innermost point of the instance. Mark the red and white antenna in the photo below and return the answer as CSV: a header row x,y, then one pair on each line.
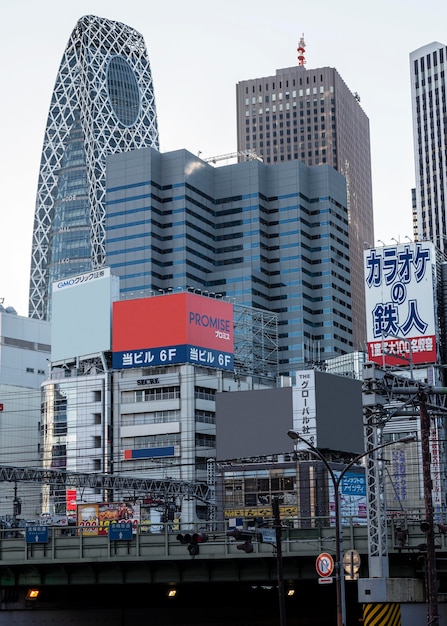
x,y
301,50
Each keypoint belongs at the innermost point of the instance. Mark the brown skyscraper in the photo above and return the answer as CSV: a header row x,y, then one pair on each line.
x,y
312,116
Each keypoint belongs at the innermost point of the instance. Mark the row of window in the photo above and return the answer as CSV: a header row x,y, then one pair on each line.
x,y
171,392
166,439
24,344
157,417
155,393
428,60
164,417
259,491
301,92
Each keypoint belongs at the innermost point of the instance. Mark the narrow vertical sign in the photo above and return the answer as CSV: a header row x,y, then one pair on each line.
x,y
305,408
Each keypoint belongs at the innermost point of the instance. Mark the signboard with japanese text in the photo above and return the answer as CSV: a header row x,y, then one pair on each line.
x,y
173,328
399,477
121,531
36,534
305,408
81,314
436,466
70,503
80,279
400,298
352,493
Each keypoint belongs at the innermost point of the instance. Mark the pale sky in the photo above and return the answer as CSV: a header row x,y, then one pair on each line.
x,y
198,51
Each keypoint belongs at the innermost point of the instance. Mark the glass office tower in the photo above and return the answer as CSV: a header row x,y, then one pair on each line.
x,y
103,102
271,237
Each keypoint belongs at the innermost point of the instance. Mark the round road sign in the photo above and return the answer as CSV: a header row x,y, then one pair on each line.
x,y
351,563
324,564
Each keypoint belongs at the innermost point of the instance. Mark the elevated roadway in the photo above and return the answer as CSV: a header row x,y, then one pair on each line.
x,y
96,580
80,558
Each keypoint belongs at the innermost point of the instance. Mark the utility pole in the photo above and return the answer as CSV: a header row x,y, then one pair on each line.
x,y
279,563
382,393
430,559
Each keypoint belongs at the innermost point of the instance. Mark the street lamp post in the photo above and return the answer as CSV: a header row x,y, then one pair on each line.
x,y
336,481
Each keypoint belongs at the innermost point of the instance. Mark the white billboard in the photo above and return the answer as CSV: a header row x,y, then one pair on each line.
x,y
81,316
400,292
305,408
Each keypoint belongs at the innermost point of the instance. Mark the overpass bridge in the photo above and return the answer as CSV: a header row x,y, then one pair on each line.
x,y
98,570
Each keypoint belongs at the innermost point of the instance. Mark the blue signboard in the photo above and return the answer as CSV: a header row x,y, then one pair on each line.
x,y
36,534
268,535
169,355
121,531
353,484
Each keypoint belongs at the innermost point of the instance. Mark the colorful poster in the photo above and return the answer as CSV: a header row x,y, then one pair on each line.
x,y
94,518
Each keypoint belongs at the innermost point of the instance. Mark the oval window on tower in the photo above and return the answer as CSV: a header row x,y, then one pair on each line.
x,y
124,93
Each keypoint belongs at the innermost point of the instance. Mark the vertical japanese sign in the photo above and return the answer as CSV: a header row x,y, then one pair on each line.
x,y
400,304
436,469
70,503
399,477
305,408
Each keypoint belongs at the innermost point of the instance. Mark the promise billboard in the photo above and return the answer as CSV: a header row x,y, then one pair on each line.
x,y
401,303
173,328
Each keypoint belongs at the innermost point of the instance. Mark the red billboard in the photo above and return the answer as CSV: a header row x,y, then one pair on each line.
x,y
173,328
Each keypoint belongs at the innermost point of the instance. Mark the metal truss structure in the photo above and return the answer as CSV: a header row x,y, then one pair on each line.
x,y
386,395
103,102
256,348
165,488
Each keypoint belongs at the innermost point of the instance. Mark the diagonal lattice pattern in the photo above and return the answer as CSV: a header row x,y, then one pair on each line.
x,y
103,102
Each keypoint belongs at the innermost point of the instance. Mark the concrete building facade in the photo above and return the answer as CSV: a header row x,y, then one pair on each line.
x,y
428,99
24,365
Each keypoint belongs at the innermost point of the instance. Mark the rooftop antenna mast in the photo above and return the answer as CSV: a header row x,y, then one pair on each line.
x,y
301,50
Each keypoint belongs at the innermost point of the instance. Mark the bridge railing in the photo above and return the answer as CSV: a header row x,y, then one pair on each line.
x,y
78,544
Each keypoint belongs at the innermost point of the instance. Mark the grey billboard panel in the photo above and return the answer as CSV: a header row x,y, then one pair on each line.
x,y
253,423
339,412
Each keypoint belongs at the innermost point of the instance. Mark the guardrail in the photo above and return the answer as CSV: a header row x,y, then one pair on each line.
x,y
79,544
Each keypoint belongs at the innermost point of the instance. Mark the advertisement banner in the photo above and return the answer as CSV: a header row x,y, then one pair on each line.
x,y
173,328
352,493
94,518
70,500
400,299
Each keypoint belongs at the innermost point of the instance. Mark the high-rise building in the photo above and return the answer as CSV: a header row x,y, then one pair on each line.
x,y
103,102
310,115
428,96
274,238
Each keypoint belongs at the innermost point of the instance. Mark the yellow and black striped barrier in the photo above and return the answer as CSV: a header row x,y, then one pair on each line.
x,y
381,614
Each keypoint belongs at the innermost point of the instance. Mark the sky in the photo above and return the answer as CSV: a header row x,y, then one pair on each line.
x,y
198,51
